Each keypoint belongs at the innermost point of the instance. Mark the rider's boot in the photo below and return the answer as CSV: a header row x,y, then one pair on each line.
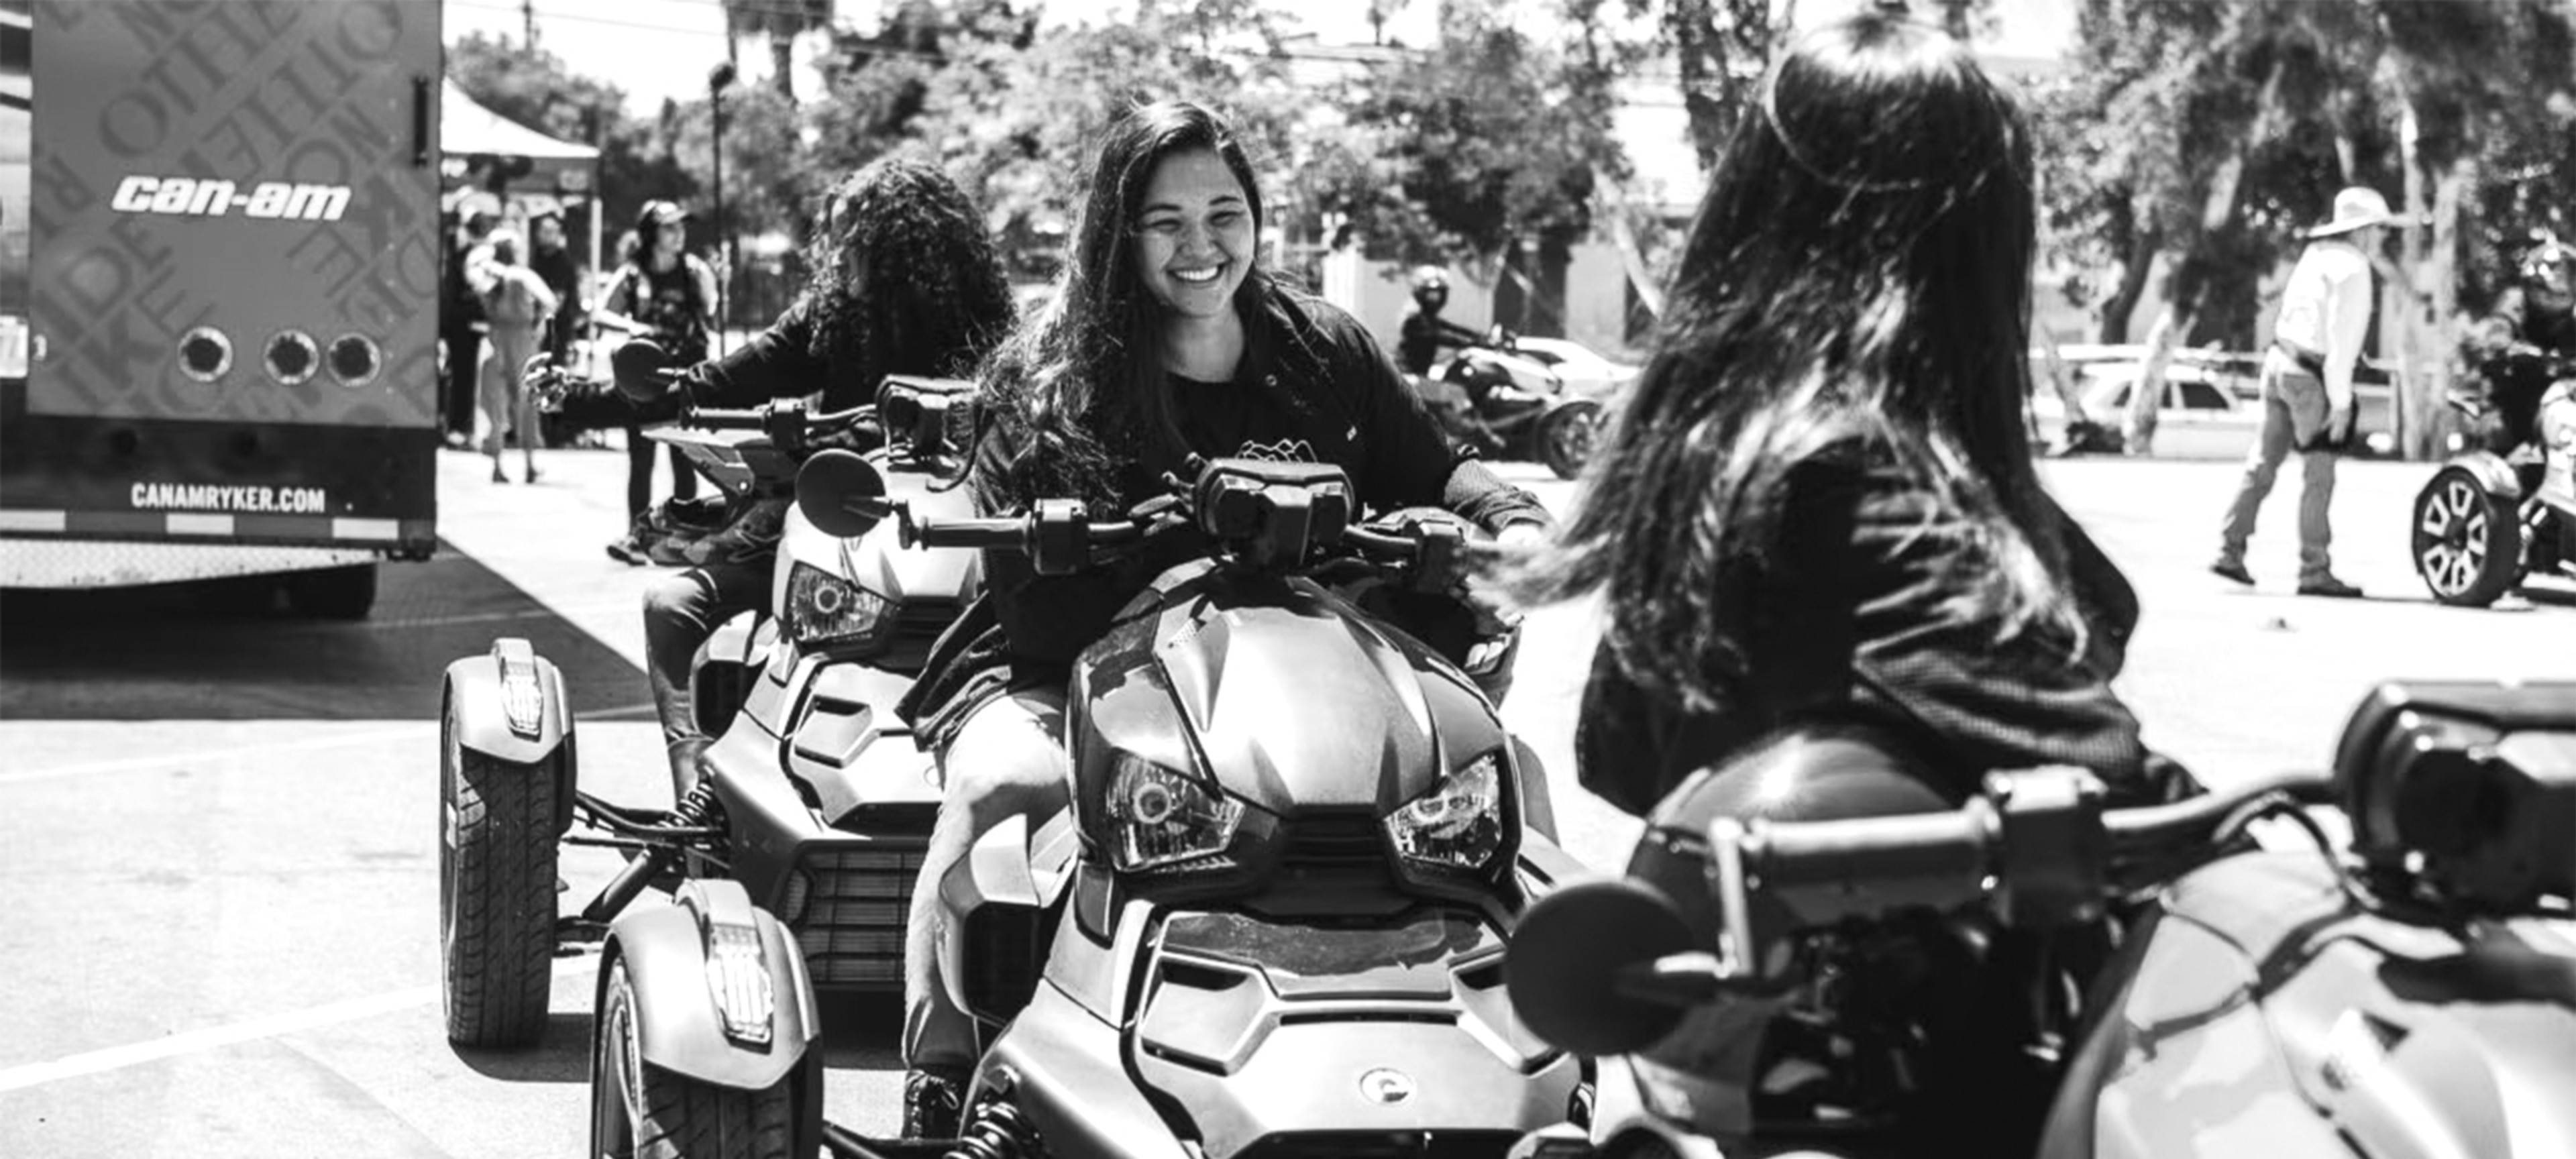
x,y
688,755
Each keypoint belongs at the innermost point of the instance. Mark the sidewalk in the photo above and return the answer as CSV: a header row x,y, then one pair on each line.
x,y
550,538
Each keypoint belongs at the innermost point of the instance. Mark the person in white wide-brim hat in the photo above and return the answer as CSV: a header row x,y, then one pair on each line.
x,y
2307,388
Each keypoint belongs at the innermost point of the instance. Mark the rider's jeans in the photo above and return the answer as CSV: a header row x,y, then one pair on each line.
x,y
1008,761
2272,443
680,611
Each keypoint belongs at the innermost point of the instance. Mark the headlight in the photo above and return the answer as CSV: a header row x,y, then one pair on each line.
x,y
1459,823
1158,817
826,609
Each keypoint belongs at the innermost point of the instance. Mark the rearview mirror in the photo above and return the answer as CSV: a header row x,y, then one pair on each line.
x,y
841,493
636,367
1566,958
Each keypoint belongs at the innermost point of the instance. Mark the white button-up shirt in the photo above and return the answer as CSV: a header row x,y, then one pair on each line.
x,y
2325,309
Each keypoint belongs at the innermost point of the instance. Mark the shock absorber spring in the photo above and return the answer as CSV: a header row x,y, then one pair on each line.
x,y
995,1130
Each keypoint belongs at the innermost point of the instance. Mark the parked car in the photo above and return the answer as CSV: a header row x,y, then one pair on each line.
x,y
2207,412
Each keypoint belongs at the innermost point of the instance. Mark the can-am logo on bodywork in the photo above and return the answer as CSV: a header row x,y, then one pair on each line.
x,y
195,197
1386,1086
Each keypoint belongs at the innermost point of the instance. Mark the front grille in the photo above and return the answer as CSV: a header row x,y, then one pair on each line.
x,y
1335,839
848,908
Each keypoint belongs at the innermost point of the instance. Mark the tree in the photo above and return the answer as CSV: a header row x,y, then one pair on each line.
x,y
534,88
1469,154
779,22
2226,128
1722,48
1016,119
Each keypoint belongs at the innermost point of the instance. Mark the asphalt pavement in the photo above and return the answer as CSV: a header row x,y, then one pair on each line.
x,y
218,824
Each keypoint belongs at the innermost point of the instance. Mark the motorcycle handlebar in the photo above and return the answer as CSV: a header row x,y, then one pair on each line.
x,y
1028,534
757,419
1017,533
2052,849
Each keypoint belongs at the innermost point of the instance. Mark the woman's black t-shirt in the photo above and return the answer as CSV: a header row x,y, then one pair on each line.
x,y
1312,387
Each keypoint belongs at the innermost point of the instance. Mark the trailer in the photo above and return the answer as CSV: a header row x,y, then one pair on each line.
x,y
219,272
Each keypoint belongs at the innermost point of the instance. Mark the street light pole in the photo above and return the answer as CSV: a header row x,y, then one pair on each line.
x,y
720,78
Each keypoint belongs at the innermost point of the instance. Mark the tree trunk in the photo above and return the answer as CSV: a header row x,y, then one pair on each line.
x,y
782,64
2123,301
2171,324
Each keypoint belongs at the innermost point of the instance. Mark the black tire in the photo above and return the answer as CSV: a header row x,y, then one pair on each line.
x,y
640,1110
496,892
1565,436
2467,546
333,593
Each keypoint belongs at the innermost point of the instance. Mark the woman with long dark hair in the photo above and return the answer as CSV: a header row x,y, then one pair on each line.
x,y
1819,501
1167,338
905,281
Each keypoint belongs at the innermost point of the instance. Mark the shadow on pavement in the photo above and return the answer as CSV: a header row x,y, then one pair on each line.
x,y
562,1055
223,650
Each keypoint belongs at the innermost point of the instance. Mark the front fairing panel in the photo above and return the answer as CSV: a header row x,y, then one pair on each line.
x,y
2281,1020
1257,1027
1291,697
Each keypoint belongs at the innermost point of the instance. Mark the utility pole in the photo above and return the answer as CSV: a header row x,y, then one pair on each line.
x,y
719,79
528,14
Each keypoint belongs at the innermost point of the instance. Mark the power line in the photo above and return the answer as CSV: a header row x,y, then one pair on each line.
x,y
610,21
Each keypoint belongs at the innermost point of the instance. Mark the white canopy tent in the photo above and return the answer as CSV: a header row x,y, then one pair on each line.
x,y
486,152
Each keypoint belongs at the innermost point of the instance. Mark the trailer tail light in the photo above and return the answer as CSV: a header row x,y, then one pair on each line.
x,y
205,354
292,357
355,360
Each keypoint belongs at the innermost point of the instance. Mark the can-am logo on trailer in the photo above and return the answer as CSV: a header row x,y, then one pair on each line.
x,y
192,197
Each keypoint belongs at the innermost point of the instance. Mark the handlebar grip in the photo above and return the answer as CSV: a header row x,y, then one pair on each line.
x,y
725,420
1954,847
1001,533
1381,544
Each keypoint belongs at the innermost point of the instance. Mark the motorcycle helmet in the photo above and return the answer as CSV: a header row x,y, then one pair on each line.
x,y
1430,288
1900,1024
2550,266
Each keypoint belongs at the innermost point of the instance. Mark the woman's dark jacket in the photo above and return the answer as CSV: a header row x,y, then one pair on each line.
x,y
1864,613
777,363
1312,386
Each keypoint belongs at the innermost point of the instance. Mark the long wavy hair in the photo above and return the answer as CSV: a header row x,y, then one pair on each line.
x,y
1082,387
934,301
1859,269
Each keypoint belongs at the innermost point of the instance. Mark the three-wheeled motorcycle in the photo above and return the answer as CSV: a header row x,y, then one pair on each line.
x,y
1830,962
2495,514
815,802
1514,403
1271,921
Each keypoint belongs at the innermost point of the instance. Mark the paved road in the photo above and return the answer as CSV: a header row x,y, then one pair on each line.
x,y
217,829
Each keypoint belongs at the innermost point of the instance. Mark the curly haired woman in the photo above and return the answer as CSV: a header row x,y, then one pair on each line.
x,y
906,282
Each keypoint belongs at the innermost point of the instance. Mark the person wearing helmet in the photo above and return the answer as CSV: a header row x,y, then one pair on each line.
x,y
2532,325
1425,332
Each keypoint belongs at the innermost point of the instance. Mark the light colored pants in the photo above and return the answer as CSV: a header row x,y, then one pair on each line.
x,y
1008,760
2294,404
505,392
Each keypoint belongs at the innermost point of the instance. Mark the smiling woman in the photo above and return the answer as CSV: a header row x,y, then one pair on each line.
x,y
1165,339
